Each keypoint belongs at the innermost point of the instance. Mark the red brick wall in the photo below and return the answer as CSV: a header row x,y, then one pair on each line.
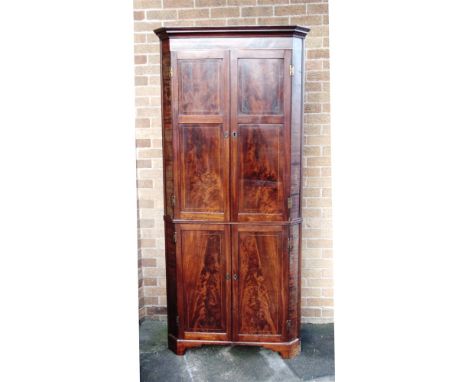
x,y
317,271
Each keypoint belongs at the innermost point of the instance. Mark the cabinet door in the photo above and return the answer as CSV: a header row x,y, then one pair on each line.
x,y
200,112
260,282
260,120
204,291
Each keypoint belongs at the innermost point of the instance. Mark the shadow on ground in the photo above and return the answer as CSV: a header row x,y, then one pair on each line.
x,y
236,363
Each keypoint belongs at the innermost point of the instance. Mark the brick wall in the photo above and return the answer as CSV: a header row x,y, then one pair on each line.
x,y
317,272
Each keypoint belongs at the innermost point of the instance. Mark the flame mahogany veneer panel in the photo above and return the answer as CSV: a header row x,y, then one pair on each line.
x,y
261,169
260,260
200,86
260,86
205,294
201,167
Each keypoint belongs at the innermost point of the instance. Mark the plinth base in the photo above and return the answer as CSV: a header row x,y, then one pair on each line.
x,y
285,349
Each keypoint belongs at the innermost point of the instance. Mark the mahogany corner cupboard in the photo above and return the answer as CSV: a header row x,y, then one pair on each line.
x,y
232,110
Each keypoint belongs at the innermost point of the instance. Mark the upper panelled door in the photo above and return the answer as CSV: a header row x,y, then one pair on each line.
x,y
260,124
200,119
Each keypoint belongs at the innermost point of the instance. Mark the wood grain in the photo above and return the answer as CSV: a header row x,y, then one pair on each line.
x,y
205,296
261,184
200,86
201,159
200,119
260,84
259,259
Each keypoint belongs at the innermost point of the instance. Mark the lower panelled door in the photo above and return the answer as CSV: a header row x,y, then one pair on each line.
x,y
259,267
203,272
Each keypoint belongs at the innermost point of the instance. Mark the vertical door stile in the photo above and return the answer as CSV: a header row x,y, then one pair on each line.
x,y
233,186
228,281
233,128
234,289
226,136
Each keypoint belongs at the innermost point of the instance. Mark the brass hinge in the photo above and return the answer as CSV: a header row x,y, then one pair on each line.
x,y
291,70
177,320
288,325
289,203
290,245
171,73
173,200
175,237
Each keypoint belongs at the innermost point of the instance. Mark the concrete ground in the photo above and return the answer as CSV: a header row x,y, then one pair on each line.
x,y
236,363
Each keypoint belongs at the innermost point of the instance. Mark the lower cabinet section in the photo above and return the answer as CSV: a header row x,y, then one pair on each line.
x,y
232,285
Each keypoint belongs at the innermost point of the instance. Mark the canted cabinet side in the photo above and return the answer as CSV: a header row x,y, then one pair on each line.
x,y
297,112
232,149
167,131
169,191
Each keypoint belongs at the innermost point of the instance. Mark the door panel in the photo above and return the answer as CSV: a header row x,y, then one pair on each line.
x,y
205,300
260,120
200,120
261,183
201,170
201,86
260,263
260,86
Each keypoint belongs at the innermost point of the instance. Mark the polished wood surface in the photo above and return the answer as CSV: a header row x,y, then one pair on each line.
x,y
233,31
200,120
259,176
232,140
204,291
260,112
260,260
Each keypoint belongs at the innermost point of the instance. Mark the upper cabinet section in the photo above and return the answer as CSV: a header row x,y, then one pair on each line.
x,y
231,109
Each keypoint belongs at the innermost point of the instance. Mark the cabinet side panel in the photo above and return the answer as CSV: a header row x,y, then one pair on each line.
x,y
171,278
296,128
168,154
294,281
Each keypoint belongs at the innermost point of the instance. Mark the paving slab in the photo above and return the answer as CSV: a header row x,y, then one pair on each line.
x,y
236,363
